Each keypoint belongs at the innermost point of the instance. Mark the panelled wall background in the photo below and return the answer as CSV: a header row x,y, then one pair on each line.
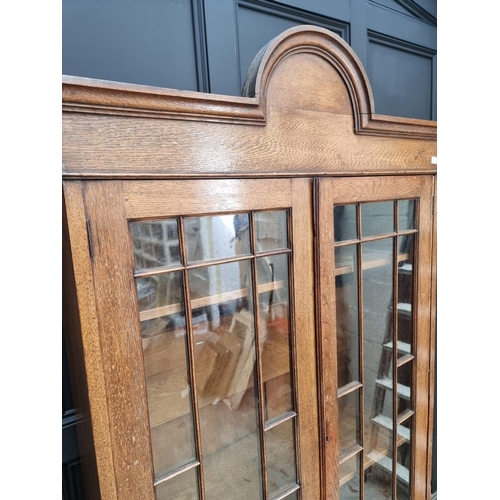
x,y
208,45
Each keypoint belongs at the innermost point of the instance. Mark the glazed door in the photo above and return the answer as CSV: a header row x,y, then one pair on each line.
x,y
204,297
374,254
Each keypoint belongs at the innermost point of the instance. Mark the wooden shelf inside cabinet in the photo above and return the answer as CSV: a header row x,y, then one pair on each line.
x,y
403,390
387,464
346,266
386,423
378,454
158,312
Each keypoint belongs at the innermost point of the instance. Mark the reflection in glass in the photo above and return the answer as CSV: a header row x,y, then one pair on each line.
x,y
167,383
349,479
155,243
218,291
223,327
280,451
344,222
406,214
216,237
159,295
221,298
275,341
404,386
377,218
349,421
380,392
405,294
231,448
404,462
378,355
378,466
181,487
271,230
346,288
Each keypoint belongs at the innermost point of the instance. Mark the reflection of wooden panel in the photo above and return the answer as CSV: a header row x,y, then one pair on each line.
x,y
164,352
166,372
242,327
278,396
222,427
348,470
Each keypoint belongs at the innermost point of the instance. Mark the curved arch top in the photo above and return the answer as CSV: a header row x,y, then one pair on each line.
x,y
312,40
332,48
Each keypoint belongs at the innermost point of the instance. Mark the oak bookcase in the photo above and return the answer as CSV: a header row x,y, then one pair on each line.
x,y
249,284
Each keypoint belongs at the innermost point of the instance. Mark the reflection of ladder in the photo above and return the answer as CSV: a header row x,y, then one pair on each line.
x,y
385,382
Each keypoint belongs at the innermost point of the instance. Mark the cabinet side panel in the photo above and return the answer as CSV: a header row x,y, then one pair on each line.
x,y
120,340
82,338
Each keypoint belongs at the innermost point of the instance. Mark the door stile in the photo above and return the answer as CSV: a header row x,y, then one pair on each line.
x,y
432,345
423,340
76,255
325,307
305,339
120,341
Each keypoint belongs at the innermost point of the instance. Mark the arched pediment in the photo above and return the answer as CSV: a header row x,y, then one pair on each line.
x,y
306,106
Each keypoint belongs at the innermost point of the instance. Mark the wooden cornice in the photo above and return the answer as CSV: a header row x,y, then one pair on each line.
x,y
88,95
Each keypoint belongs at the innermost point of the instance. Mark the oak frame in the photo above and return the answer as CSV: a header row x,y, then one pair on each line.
x,y
315,123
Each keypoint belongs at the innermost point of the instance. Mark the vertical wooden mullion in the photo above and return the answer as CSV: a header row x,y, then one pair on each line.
x,y
191,362
395,242
415,327
361,339
292,342
258,361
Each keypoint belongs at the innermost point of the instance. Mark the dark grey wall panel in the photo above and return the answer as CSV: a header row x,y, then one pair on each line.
x,y
410,8
338,9
401,76
400,26
149,42
271,22
237,30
